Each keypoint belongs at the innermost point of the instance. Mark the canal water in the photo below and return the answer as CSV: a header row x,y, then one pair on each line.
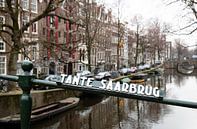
x,y
102,112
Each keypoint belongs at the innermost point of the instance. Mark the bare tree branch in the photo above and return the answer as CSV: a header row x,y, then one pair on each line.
x,y
50,8
172,2
191,24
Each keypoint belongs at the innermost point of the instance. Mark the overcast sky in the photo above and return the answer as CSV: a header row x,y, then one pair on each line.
x,y
172,14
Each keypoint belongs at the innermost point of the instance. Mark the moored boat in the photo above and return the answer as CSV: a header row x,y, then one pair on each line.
x,y
43,112
139,78
185,67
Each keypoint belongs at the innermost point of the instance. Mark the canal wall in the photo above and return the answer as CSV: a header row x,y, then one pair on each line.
x,y
10,102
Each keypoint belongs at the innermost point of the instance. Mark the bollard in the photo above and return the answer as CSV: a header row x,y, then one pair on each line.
x,y
25,83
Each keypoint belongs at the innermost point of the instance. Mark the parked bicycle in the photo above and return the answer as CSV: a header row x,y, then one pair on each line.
x,y
3,85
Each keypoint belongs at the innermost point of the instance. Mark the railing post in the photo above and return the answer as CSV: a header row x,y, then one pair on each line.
x,y
25,83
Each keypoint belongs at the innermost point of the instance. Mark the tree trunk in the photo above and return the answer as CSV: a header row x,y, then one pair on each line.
x,y
136,52
89,56
12,67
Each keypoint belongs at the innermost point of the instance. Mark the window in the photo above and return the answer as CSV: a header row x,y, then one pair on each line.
x,y
2,64
59,19
25,4
2,21
34,54
13,3
35,28
43,31
2,46
1,3
25,20
52,23
52,35
34,6
59,34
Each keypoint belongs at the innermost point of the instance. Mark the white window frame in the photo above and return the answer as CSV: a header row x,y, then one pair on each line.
x,y
1,41
2,3
52,21
34,52
34,3
25,21
5,65
25,4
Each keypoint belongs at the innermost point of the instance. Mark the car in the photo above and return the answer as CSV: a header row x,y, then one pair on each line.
x,y
97,70
103,75
133,69
147,66
114,74
83,73
54,78
157,62
126,71
143,66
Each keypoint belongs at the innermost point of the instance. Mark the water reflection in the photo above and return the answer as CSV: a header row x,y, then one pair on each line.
x,y
120,113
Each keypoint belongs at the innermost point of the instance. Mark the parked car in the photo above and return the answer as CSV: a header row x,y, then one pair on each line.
x,y
133,69
115,74
126,71
143,66
97,70
157,62
103,75
54,78
83,73
147,66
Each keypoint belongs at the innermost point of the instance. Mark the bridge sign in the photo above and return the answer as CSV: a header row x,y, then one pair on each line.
x,y
127,88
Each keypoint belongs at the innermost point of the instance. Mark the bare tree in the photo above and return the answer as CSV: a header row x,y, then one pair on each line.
x,y
93,17
157,39
13,31
191,11
181,50
137,22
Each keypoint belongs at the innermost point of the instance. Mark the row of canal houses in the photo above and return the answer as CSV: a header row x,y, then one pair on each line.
x,y
59,44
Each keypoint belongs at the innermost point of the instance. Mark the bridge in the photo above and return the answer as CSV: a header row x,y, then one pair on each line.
x,y
132,91
173,63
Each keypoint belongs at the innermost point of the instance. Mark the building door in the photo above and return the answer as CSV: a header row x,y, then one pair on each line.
x,y
52,68
70,68
65,69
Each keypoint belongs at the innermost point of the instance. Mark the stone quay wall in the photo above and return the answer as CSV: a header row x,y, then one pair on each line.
x,y
10,102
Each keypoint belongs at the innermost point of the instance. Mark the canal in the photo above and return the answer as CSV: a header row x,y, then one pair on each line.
x,y
102,112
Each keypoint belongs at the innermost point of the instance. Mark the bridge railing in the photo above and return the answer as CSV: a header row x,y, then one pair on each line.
x,y
27,80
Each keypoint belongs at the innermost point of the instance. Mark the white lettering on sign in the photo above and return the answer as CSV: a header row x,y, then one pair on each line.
x,y
89,82
131,88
